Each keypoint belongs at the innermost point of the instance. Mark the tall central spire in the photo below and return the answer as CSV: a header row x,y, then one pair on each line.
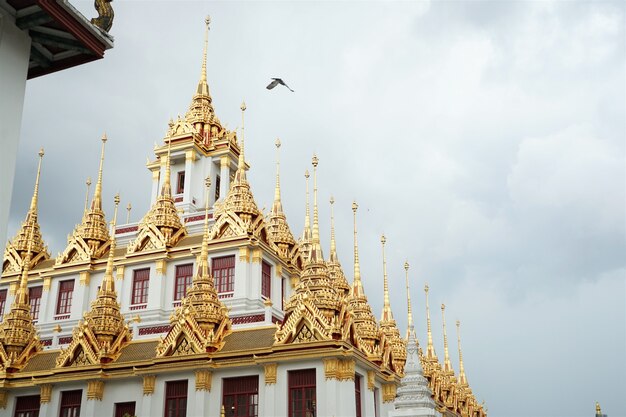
x,y
410,329
316,255
305,241
334,267
357,286
447,365
462,377
203,86
387,315
96,203
166,188
278,228
430,349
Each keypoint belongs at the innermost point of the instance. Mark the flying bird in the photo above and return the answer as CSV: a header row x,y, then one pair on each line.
x,y
275,82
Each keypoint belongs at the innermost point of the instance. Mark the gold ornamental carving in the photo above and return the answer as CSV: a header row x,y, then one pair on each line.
x,y
279,270
339,369
84,277
4,396
256,256
161,266
119,274
47,282
203,380
45,393
224,161
149,381
270,373
389,392
95,390
13,288
244,254
190,155
371,380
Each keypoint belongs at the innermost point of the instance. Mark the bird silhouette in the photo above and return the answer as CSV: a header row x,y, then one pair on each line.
x,y
275,82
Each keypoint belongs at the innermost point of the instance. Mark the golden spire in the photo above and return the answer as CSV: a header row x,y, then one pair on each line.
x,y
128,209
242,162
410,329
28,234
462,377
333,245
386,315
430,349
316,255
598,410
203,87
108,284
203,263
305,241
357,286
277,228
18,337
88,183
447,365
166,188
96,203
334,267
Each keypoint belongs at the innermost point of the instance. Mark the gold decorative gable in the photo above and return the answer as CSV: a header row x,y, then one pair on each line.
x,y
13,262
229,224
305,323
78,250
151,238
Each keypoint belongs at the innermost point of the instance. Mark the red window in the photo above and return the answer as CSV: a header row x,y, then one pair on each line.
x,y
240,396
125,409
176,398
266,280
3,301
64,302
357,394
27,406
180,182
184,276
302,393
224,273
70,403
34,295
217,187
141,280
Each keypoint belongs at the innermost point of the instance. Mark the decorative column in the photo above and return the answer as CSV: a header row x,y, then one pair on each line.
x,y
268,400
338,388
204,378
45,396
155,185
190,157
149,385
95,392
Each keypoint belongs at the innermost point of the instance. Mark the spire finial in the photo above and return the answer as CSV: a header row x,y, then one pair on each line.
x,y
108,284
409,328
333,245
96,204
430,350
203,86
277,190
447,366
166,189
34,200
462,377
387,315
307,217
88,183
357,267
203,266
128,209
21,297
316,249
242,161
598,410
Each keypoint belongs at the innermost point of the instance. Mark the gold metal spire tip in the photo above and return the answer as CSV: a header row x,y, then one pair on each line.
x,y
117,199
426,288
315,161
104,137
277,143
243,106
207,20
88,182
406,265
332,200
41,153
443,307
355,206
383,239
306,174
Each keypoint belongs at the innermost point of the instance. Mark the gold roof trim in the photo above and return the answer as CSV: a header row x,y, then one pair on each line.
x,y
18,336
201,322
102,334
161,228
29,233
90,239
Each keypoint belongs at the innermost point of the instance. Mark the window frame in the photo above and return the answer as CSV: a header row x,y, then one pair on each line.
x,y
3,302
64,304
180,182
72,408
266,280
35,301
218,184
185,278
357,395
121,408
27,410
139,294
224,282
175,398
295,385
244,388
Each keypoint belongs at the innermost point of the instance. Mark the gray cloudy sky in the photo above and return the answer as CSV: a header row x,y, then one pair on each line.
x,y
485,139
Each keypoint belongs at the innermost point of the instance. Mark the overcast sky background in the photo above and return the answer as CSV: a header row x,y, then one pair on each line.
x,y
485,139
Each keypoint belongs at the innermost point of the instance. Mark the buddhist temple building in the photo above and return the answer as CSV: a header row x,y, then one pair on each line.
x,y
208,306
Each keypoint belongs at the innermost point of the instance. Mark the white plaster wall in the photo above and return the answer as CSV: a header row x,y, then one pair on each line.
x,y
14,56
